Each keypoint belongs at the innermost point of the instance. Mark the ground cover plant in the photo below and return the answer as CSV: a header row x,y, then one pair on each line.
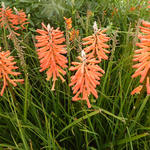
x,y
74,74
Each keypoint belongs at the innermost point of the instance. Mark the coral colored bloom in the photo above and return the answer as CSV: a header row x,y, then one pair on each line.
x,y
96,44
6,70
142,56
19,19
6,16
68,23
137,90
86,78
12,21
50,50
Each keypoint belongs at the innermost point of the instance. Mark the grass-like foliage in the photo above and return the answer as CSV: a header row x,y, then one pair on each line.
x,y
78,81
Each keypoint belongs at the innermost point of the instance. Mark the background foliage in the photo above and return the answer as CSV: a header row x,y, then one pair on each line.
x,y
33,117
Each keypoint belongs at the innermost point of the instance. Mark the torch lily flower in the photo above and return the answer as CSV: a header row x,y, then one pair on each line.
x,y
6,70
68,23
9,19
50,50
96,44
86,78
142,56
6,16
19,19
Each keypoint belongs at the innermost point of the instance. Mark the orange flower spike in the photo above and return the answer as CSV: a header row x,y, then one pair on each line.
x,y
142,56
97,46
19,19
68,22
6,16
50,51
86,78
74,34
6,69
10,20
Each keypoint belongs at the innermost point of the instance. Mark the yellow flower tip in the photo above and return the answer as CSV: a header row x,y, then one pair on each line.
x,y
68,22
137,90
63,80
48,78
52,89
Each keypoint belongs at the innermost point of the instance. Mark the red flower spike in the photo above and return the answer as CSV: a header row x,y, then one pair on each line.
x,y
50,50
86,78
6,69
97,44
142,56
